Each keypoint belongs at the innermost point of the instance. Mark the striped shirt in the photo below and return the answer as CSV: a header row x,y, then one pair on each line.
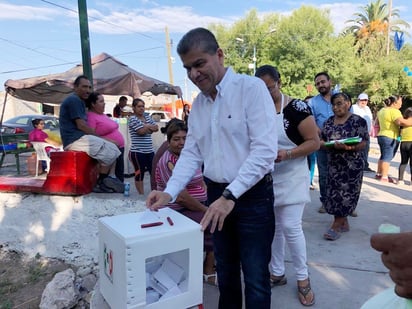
x,y
164,171
140,143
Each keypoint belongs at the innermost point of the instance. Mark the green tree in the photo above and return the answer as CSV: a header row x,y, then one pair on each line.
x,y
370,25
303,44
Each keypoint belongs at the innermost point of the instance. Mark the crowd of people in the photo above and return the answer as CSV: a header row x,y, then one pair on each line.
x,y
243,165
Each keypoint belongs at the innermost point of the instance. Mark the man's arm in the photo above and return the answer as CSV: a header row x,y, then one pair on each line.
x,y
82,125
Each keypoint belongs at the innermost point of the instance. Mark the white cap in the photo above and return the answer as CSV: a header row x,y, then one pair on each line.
x,y
363,96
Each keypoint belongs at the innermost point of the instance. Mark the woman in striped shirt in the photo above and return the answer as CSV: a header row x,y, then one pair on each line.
x,y
141,127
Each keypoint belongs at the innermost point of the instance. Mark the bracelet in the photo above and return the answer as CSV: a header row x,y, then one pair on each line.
x,y
289,154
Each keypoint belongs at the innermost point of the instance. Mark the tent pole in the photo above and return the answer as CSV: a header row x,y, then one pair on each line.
x,y
4,108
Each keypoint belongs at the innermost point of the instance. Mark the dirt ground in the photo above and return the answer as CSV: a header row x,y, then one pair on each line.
x,y
22,280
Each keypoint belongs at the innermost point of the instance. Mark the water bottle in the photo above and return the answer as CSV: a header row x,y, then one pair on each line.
x,y
127,189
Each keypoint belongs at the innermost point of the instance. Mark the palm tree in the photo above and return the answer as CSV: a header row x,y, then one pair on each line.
x,y
373,21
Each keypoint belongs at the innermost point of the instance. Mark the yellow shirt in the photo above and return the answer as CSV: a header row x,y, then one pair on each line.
x,y
406,134
387,125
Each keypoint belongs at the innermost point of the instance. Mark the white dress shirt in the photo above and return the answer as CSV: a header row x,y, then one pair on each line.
x,y
234,136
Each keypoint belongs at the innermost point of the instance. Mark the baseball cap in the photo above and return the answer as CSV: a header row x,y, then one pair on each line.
x,y
363,96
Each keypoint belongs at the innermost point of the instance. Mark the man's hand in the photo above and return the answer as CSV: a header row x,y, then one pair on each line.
x,y
217,213
397,257
157,199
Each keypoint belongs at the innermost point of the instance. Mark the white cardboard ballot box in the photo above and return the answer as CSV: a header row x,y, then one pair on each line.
x,y
152,267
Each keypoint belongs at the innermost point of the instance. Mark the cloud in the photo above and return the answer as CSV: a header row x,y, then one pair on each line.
x,y
26,12
340,13
178,19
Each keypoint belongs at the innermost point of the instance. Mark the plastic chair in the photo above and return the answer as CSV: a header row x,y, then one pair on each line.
x,y
42,155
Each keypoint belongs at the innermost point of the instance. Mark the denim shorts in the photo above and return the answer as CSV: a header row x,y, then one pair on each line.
x,y
388,147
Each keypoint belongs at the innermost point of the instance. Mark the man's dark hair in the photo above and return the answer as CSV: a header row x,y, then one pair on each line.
x,y
198,38
78,79
175,127
122,98
322,73
268,70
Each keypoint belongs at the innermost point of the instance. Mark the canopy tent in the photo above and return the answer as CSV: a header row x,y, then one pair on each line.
x,y
110,77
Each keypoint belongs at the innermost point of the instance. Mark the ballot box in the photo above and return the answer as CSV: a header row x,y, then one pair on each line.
x,y
150,260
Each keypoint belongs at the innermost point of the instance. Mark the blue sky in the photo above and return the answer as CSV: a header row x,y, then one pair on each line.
x,y
40,37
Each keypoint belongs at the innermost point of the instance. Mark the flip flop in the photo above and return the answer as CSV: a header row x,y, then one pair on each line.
x,y
331,235
304,291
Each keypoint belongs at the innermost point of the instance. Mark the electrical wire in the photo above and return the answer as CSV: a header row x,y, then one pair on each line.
x,y
103,21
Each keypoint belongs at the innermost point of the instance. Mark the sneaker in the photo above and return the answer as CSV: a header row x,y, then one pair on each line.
x,y
368,169
353,214
113,183
322,209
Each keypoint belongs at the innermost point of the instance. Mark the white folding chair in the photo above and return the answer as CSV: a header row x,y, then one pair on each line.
x,y
41,154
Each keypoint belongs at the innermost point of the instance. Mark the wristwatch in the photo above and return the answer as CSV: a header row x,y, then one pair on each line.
x,y
227,194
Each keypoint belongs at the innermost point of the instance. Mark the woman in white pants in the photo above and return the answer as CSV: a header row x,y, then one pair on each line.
x,y
297,137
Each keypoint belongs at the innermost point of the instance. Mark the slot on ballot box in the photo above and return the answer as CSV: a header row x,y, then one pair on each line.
x,y
150,260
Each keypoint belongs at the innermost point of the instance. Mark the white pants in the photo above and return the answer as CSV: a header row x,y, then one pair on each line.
x,y
289,229
96,147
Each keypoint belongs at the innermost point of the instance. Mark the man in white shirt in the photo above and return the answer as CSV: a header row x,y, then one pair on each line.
x,y
362,109
232,131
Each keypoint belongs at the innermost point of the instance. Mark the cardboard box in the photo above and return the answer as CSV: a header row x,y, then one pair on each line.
x,y
152,267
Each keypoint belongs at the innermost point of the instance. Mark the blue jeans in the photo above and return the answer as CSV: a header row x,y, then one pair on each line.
x,y
311,163
388,147
365,154
119,169
245,244
322,161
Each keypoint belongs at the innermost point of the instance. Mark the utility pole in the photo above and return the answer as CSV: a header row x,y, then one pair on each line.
x,y
254,59
169,55
85,40
169,65
388,38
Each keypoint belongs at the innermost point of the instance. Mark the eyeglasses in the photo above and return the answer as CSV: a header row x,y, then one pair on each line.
x,y
338,104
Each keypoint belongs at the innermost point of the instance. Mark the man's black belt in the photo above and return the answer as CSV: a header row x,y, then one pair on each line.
x,y
222,185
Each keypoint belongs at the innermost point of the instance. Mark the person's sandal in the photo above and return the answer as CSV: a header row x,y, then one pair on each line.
x,y
278,280
304,291
331,235
210,279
